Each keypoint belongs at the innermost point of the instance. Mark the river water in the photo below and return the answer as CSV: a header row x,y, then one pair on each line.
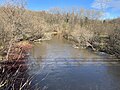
x,y
56,65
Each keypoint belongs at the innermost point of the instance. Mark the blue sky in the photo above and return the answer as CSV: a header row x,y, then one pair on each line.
x,y
111,11
47,4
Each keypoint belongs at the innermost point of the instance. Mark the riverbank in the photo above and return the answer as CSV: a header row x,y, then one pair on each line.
x,y
102,44
75,41
17,51
39,26
55,58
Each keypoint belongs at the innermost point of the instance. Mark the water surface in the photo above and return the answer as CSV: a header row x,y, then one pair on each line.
x,y
58,66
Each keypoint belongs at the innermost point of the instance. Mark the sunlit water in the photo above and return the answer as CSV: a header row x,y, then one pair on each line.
x,y
56,65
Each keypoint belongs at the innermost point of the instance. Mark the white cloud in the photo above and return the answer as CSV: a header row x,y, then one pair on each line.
x,y
107,15
101,4
105,4
111,9
115,5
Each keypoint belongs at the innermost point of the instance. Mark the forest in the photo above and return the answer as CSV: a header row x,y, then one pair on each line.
x,y
80,25
20,28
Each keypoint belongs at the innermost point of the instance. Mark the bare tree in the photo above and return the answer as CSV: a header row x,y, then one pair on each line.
x,y
12,13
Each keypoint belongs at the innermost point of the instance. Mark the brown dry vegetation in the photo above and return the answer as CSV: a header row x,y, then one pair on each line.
x,y
81,26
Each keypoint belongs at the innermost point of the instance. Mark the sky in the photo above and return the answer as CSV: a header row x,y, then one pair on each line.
x,y
111,8
47,4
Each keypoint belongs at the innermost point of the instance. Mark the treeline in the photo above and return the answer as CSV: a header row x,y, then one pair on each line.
x,y
86,29
81,26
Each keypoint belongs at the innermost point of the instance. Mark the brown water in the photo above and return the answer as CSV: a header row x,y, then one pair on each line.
x,y
58,66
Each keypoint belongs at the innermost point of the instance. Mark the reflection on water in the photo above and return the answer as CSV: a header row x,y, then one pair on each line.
x,y
57,48
58,66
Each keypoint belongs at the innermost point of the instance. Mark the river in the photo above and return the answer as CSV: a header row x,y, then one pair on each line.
x,y
58,66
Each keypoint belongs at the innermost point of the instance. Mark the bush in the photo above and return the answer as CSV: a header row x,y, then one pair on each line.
x,y
114,43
